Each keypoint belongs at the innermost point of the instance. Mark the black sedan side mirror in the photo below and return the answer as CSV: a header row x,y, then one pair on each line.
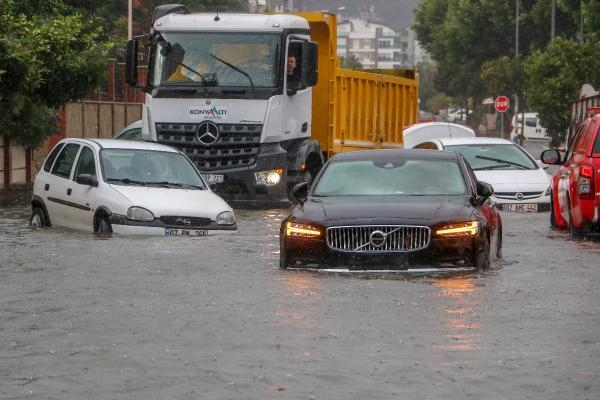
x,y
300,192
87,179
484,191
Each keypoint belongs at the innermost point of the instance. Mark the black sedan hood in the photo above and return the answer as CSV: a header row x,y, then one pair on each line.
x,y
413,210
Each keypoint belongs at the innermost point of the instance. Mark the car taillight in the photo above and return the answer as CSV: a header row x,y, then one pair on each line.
x,y
585,183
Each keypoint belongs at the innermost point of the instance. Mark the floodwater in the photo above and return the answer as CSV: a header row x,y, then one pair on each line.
x,y
88,317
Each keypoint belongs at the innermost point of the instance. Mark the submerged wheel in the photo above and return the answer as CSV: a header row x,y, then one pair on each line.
x,y
38,218
481,260
104,226
553,223
283,262
499,245
573,232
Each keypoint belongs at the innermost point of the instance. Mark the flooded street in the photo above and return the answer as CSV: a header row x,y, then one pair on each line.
x,y
86,317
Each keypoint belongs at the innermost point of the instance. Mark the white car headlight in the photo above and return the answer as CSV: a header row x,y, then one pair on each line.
x,y
139,214
226,218
548,191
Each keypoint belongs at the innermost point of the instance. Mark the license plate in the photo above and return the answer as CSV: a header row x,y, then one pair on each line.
x,y
213,178
520,207
185,232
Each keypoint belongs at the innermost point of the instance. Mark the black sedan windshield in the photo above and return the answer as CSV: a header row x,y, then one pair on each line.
x,y
391,177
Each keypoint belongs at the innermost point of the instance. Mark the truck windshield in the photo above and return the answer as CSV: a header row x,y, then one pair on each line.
x,y
217,59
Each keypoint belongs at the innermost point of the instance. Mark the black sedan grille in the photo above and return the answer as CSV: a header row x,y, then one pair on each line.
x,y
378,238
237,144
184,222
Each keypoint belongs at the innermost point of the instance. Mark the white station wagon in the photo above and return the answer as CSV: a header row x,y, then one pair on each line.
x,y
126,187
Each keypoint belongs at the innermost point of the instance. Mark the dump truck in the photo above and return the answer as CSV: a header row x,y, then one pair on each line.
x,y
217,89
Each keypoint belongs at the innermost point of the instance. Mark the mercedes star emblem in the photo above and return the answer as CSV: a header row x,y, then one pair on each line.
x,y
207,133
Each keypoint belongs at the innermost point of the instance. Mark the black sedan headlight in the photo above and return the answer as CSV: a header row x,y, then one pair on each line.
x,y
300,230
457,229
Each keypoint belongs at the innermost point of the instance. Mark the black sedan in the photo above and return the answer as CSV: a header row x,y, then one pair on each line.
x,y
392,209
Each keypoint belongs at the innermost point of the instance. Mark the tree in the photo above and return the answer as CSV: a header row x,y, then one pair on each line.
x,y
351,62
46,60
465,36
555,76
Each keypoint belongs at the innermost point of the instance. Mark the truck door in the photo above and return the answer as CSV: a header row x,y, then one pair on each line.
x,y
297,96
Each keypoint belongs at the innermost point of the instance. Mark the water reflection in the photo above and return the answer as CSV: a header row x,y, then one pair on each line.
x,y
459,318
305,291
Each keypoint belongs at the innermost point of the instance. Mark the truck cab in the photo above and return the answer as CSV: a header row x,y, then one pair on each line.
x,y
217,89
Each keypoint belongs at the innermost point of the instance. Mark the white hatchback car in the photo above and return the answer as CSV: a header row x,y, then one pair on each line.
x,y
126,187
520,182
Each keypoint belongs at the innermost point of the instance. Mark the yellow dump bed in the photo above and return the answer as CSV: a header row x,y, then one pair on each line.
x,y
357,109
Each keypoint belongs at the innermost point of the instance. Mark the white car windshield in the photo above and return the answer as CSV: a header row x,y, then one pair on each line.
x,y
391,177
494,156
148,167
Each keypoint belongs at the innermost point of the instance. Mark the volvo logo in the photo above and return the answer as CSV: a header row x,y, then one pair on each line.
x,y
519,196
183,221
207,133
377,238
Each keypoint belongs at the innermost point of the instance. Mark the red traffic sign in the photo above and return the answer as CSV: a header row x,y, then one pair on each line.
x,y
501,103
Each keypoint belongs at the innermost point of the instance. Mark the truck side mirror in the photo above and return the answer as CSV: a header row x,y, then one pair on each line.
x,y
131,62
312,67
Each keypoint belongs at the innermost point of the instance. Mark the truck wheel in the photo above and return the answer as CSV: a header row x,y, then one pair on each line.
x,y
38,218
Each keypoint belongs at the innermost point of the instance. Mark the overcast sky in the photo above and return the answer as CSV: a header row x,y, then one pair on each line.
x,y
395,13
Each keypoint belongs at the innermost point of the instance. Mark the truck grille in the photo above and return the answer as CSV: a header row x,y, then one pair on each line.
x,y
237,144
378,238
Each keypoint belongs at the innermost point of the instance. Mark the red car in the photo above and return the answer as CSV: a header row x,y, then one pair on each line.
x,y
575,198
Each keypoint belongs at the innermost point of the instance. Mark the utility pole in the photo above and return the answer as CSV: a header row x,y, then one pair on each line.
x,y
519,132
129,18
552,24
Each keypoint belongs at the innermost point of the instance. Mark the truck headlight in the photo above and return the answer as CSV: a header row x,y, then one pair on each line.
x,y
226,218
139,214
268,178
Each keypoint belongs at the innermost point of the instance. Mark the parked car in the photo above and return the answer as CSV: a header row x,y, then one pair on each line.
x,y
520,183
418,133
575,188
532,128
132,131
126,187
392,209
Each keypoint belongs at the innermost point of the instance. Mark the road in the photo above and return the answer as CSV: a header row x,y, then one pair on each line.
x,y
85,317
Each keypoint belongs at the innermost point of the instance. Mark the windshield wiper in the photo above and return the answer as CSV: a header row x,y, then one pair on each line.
x,y
230,65
176,184
166,52
499,160
496,166
126,181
